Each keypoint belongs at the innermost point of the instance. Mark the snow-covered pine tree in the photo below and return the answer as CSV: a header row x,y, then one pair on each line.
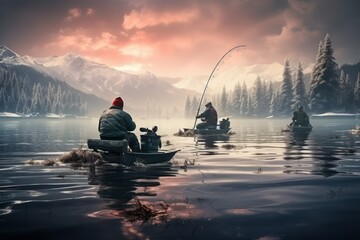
x,y
346,98
324,84
299,91
286,94
357,93
235,101
244,100
258,96
194,106
187,107
224,102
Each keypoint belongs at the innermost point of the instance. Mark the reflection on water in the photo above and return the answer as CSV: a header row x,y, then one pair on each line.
x,y
319,152
257,184
119,185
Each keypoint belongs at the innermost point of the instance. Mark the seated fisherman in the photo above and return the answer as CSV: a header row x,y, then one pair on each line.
x,y
300,118
209,117
116,124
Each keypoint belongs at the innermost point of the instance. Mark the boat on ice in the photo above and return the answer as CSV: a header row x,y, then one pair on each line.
x,y
118,151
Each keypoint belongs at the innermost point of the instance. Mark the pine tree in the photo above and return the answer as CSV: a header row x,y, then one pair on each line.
x,y
269,92
258,96
274,103
286,95
236,100
324,84
187,107
346,100
299,91
357,93
244,100
194,106
224,102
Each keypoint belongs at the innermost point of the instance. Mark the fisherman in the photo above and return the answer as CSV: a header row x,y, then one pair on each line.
x,y
116,124
300,118
209,117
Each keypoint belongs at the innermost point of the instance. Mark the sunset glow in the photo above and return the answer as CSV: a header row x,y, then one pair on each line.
x,y
172,38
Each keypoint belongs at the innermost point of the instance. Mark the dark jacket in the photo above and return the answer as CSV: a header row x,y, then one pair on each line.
x,y
300,118
115,123
210,115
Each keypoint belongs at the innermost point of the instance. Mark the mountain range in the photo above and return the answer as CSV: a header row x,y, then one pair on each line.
x,y
141,92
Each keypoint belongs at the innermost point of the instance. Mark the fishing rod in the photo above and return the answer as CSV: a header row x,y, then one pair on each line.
x,y
202,97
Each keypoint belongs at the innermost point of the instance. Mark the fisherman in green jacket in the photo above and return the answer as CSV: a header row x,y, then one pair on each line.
x,y
116,124
300,118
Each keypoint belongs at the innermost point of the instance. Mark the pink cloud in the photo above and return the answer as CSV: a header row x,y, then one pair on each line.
x,y
73,13
145,18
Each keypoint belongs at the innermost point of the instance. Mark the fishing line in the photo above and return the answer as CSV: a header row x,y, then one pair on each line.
x,y
220,62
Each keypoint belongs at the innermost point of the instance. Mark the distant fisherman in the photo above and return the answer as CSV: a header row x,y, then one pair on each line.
x,y
116,124
209,117
300,118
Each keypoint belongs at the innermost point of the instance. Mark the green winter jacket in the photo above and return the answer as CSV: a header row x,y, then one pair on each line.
x,y
115,123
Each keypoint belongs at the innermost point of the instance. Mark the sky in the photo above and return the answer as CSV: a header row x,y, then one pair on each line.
x,y
176,38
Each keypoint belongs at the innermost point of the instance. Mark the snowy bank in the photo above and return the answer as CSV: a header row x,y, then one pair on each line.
x,y
336,115
11,115
49,115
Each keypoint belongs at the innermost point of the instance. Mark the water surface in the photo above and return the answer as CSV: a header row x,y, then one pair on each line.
x,y
260,183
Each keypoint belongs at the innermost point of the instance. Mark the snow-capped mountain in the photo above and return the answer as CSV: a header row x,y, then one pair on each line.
x,y
138,90
17,70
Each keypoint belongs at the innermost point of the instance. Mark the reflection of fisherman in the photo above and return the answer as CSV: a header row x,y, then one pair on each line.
x,y
209,117
116,124
300,118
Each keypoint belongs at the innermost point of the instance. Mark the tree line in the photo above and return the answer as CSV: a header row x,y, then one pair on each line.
x,y
20,95
331,89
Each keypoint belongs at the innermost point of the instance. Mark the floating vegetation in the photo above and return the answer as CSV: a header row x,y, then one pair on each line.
x,y
229,146
187,133
355,131
144,213
80,157
46,162
188,162
77,158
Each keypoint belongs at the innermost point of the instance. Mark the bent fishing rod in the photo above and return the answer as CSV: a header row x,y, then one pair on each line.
x,y
207,83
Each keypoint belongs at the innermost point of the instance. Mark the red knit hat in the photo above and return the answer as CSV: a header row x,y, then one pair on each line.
x,y
118,102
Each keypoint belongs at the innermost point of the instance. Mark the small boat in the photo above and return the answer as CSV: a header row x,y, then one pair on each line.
x,y
150,157
222,128
118,151
300,129
356,131
209,131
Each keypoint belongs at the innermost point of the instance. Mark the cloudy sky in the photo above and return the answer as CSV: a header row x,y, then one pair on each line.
x,y
180,38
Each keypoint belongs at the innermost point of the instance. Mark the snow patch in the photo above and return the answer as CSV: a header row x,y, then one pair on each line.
x,y
332,114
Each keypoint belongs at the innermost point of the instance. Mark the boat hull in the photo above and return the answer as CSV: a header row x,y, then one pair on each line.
x,y
116,151
215,131
151,157
130,158
300,129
